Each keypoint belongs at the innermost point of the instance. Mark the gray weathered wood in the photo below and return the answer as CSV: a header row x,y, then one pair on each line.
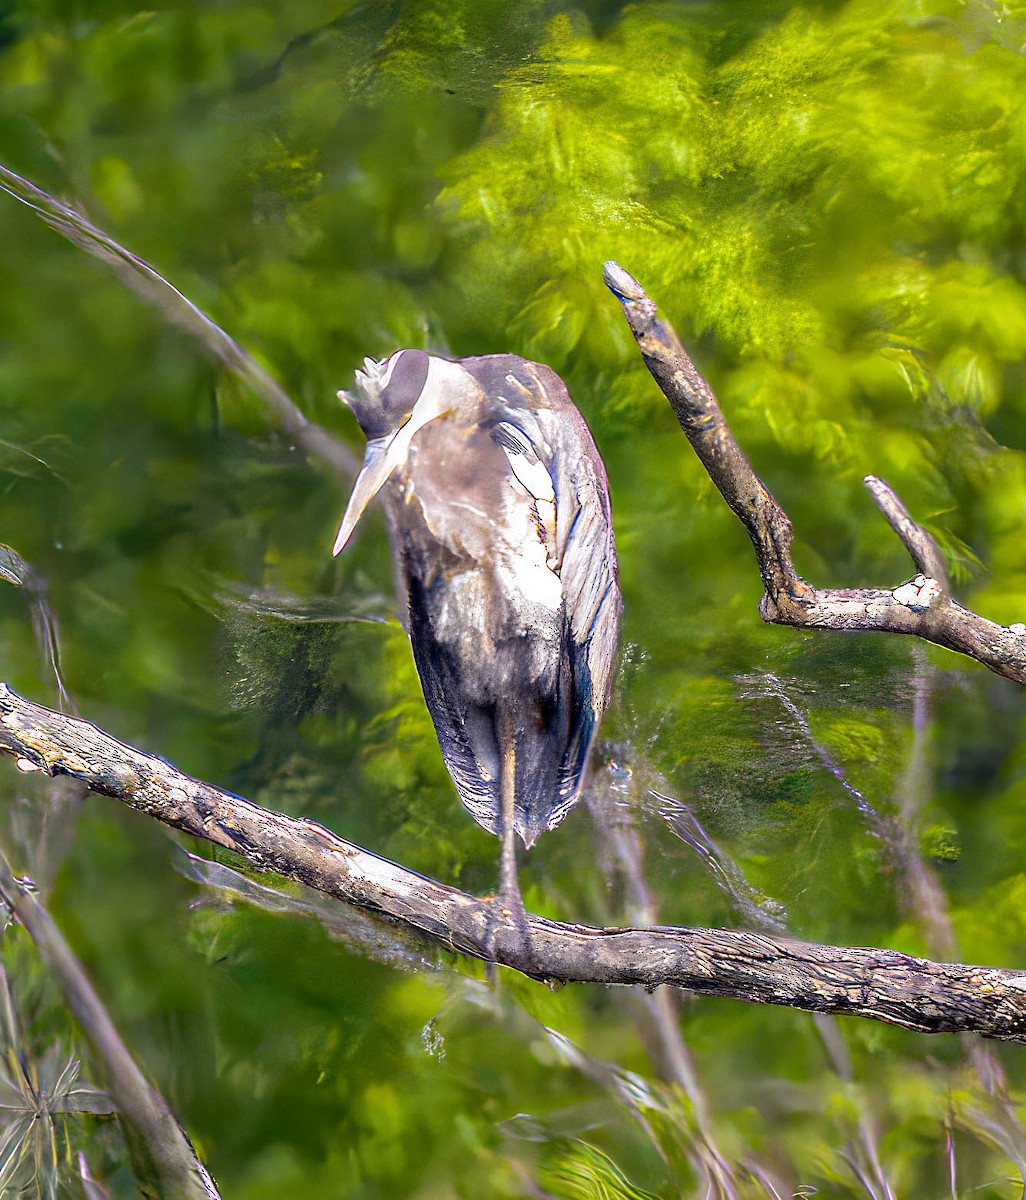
x,y
920,605
884,985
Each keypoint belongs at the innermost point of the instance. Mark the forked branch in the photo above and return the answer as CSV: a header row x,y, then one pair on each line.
x,y
921,605
883,985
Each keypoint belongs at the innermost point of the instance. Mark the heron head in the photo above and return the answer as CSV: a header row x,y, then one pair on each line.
x,y
391,403
387,391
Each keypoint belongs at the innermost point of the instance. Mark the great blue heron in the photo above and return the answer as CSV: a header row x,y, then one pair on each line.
x,y
498,508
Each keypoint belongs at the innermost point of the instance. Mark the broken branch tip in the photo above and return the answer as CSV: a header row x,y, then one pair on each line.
x,y
621,283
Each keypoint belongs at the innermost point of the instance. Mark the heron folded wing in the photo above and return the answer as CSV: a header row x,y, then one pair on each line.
x,y
553,438
466,735
531,473
587,554
541,430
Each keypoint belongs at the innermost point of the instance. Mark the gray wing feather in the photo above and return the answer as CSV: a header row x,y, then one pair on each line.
x,y
585,556
466,735
584,534
588,572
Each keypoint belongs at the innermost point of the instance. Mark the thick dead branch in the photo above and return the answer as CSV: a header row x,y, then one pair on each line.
x,y
921,605
918,994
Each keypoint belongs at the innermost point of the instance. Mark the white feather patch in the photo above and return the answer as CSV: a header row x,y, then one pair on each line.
x,y
533,476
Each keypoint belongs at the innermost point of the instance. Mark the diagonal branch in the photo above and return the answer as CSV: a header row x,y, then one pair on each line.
x,y
922,548
162,1157
921,606
144,279
884,985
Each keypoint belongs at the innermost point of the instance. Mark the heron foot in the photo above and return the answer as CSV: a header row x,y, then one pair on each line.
x,y
508,934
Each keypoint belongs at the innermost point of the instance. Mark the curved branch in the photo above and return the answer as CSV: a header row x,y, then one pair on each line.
x,y
930,997
921,605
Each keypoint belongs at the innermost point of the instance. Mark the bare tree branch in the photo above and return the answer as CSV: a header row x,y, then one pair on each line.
x,y
15,570
163,1159
883,985
921,605
144,279
920,544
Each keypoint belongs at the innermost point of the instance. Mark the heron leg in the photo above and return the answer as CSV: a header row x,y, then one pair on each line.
x,y
509,887
508,906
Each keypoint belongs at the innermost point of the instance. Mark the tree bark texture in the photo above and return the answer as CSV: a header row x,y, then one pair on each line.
x,y
884,985
921,605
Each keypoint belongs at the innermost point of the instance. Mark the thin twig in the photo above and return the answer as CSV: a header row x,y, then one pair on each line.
x,y
919,606
884,985
163,1158
17,571
144,279
657,1010
919,542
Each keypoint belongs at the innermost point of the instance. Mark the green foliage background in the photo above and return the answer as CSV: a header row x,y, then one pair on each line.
x,y
828,201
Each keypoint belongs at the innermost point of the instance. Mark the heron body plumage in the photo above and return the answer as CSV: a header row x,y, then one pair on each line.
x,y
499,516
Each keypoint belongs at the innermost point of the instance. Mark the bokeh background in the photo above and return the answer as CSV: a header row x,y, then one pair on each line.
x,y
828,202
